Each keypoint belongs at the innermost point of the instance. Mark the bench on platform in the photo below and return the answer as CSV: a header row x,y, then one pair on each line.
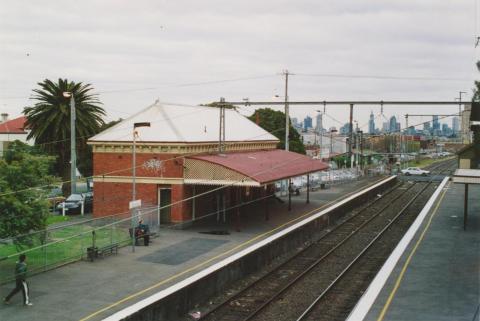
x,y
96,252
143,236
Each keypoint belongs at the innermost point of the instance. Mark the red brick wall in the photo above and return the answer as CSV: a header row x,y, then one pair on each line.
x,y
113,198
120,164
183,210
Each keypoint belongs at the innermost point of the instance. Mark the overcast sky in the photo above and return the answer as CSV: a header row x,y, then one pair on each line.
x,y
134,52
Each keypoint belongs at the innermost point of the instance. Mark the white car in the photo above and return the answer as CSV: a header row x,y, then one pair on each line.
x,y
415,171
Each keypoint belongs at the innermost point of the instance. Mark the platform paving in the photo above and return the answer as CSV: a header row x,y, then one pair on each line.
x,y
442,279
92,291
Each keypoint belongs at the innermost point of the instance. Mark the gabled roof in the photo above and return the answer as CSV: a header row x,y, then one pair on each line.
x,y
14,126
183,124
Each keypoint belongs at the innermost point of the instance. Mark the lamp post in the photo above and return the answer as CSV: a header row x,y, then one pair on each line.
x,y
320,130
73,153
331,141
134,172
330,154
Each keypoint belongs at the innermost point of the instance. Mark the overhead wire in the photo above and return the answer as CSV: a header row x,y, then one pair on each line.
x,y
191,84
380,77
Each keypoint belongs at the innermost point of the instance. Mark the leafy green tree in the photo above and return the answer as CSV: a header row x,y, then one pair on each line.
x,y
274,122
49,120
85,156
24,209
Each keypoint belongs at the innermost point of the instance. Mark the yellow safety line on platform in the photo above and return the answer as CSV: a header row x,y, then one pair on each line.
x,y
407,262
219,255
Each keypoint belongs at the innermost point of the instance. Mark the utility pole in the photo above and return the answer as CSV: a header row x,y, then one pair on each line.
x,y
361,150
221,134
287,130
351,134
73,150
460,111
287,112
320,131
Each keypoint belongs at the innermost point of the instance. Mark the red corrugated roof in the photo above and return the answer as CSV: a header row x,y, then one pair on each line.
x,y
14,126
266,166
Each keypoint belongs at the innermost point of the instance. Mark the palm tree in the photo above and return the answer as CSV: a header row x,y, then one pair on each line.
x,y
49,120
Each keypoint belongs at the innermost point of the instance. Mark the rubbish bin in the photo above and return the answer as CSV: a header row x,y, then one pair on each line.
x,y
92,253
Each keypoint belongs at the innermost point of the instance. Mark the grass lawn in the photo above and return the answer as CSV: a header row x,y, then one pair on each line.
x,y
53,219
426,161
67,246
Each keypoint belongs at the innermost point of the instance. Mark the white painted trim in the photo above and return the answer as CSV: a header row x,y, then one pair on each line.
x,y
120,315
200,181
368,298
138,179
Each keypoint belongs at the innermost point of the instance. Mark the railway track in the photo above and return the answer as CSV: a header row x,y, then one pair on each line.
x,y
298,288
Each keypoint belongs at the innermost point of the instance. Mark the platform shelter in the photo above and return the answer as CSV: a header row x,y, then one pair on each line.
x,y
178,163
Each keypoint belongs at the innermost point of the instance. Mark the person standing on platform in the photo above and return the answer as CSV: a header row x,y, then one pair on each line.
x,y
20,281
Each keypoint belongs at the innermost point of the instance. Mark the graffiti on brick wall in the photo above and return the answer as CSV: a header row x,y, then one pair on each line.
x,y
154,165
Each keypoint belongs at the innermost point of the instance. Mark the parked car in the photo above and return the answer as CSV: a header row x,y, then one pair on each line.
x,y
55,196
415,171
73,203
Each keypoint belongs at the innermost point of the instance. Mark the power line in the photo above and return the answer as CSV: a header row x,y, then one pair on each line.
x,y
191,84
382,77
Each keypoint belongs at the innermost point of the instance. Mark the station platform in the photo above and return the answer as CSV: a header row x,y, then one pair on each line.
x,y
93,291
438,274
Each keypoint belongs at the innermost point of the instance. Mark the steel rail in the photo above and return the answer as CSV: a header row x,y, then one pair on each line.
x,y
335,228
360,255
323,257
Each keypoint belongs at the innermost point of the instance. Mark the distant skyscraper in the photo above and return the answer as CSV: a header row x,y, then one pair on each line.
x,y
456,125
426,126
307,123
345,129
435,123
385,127
294,121
392,127
319,124
371,124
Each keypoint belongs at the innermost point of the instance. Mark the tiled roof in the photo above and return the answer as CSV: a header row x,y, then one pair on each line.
x,y
14,126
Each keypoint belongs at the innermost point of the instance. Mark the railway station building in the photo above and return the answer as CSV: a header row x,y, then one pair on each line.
x,y
178,166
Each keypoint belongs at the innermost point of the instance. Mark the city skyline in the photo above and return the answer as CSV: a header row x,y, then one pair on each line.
x,y
384,124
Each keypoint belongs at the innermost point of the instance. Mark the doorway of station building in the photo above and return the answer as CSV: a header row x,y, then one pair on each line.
x,y
164,200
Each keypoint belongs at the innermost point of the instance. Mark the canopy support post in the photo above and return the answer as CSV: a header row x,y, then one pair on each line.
x,y
308,188
289,190
465,208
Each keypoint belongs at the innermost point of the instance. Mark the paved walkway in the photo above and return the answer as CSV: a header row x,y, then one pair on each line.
x,y
442,280
92,291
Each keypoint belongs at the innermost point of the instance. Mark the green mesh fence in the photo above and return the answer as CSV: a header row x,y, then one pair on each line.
x,y
57,246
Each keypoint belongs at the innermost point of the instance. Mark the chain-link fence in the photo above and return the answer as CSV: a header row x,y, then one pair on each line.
x,y
60,245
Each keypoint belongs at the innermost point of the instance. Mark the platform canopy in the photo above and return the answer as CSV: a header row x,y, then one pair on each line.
x,y
255,168
467,176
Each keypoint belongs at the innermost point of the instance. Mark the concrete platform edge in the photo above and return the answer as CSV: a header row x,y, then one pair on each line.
x,y
136,307
365,303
